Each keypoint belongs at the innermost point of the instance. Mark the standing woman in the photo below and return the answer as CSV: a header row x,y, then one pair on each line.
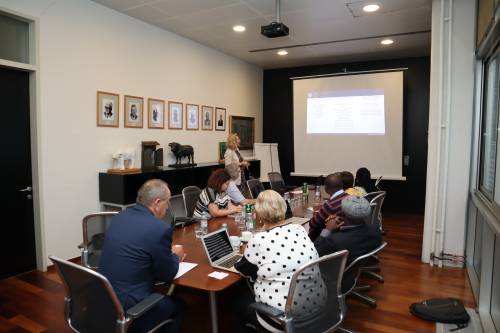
x,y
233,155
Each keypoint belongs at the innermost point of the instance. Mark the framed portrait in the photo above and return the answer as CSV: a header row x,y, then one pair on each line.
x,y
220,119
175,116
207,115
245,128
133,111
156,113
108,109
192,116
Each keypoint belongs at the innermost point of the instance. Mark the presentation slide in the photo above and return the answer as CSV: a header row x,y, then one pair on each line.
x,y
346,112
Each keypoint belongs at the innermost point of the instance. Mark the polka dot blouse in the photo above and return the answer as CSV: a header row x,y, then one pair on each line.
x,y
278,253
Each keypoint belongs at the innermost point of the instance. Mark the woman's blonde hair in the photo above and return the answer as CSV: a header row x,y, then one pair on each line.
x,y
270,206
232,141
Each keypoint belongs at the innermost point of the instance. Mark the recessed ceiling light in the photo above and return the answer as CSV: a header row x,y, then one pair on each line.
x,y
239,28
282,52
371,8
387,42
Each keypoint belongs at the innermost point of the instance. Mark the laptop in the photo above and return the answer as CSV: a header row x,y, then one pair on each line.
x,y
289,218
219,250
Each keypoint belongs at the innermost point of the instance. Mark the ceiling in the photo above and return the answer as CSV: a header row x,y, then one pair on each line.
x,y
339,29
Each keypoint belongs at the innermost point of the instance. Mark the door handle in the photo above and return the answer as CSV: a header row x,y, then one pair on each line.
x,y
27,189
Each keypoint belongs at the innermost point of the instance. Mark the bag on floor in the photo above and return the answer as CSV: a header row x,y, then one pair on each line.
x,y
442,310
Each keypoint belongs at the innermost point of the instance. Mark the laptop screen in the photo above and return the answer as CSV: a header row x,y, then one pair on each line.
x,y
217,244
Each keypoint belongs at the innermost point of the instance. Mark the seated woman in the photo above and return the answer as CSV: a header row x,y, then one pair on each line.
x,y
213,199
348,184
270,259
364,180
233,191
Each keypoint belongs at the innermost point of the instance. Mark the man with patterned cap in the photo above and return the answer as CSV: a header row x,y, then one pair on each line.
x,y
350,230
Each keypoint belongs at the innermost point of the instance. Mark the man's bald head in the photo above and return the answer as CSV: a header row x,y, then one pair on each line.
x,y
333,183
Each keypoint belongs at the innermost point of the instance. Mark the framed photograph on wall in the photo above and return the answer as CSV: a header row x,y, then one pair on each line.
x,y
133,111
192,116
156,113
175,116
207,115
245,128
108,109
220,119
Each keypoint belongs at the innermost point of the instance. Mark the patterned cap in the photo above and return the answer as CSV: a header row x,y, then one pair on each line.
x,y
356,208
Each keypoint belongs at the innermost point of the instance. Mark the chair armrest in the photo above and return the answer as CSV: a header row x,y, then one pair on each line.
x,y
266,309
143,306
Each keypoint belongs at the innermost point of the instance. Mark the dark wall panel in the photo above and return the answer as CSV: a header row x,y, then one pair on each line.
x,y
406,196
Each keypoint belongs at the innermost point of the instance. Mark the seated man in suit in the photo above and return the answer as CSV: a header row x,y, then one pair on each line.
x,y
137,252
334,187
352,232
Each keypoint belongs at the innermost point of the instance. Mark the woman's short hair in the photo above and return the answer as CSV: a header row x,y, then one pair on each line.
x,y
232,141
363,177
151,190
233,170
217,179
270,206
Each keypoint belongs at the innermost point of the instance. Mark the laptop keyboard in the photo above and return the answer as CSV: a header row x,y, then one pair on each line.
x,y
230,262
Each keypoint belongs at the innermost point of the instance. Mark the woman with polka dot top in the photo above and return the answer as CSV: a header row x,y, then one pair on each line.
x,y
271,258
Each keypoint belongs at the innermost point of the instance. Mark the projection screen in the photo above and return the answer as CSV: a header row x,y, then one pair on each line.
x,y
348,121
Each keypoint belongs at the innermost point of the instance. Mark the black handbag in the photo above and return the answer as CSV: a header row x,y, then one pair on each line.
x,y
442,310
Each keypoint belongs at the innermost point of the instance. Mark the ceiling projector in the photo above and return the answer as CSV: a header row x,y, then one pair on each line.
x,y
275,29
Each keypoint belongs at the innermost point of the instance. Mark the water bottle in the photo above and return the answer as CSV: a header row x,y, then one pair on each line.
x,y
248,217
317,194
204,224
305,192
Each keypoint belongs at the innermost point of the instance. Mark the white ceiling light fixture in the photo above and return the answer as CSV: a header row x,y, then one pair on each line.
x,y
371,8
387,42
239,28
282,52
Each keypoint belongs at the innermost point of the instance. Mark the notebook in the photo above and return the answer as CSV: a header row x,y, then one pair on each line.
x,y
219,250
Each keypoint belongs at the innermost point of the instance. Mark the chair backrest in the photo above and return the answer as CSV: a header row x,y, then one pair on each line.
x,y
94,228
91,304
377,182
190,195
276,181
254,187
353,271
325,273
376,204
369,196
176,209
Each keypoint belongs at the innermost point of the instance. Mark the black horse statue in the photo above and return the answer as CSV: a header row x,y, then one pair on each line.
x,y
181,151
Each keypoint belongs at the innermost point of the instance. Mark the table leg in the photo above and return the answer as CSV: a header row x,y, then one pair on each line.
x,y
213,311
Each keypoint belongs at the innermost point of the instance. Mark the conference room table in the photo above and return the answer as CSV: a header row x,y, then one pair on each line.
x,y
197,278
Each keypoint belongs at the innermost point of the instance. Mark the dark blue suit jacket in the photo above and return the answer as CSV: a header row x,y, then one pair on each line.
x,y
136,254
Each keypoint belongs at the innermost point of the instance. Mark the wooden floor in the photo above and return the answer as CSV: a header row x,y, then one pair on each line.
x,y
33,302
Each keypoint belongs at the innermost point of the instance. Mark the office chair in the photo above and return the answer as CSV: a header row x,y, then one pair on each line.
x,y
277,183
176,209
377,183
94,228
376,202
351,276
91,304
329,316
369,196
190,194
254,187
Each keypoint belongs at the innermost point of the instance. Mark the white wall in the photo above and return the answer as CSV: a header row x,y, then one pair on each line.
x,y
450,127
85,47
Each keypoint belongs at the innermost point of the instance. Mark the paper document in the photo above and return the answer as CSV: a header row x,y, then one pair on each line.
x,y
218,275
184,267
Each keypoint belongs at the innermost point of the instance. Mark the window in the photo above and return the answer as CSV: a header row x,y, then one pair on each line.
x,y
489,128
14,38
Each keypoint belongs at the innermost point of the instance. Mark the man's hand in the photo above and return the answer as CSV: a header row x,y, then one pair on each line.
x,y
178,250
237,209
334,222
